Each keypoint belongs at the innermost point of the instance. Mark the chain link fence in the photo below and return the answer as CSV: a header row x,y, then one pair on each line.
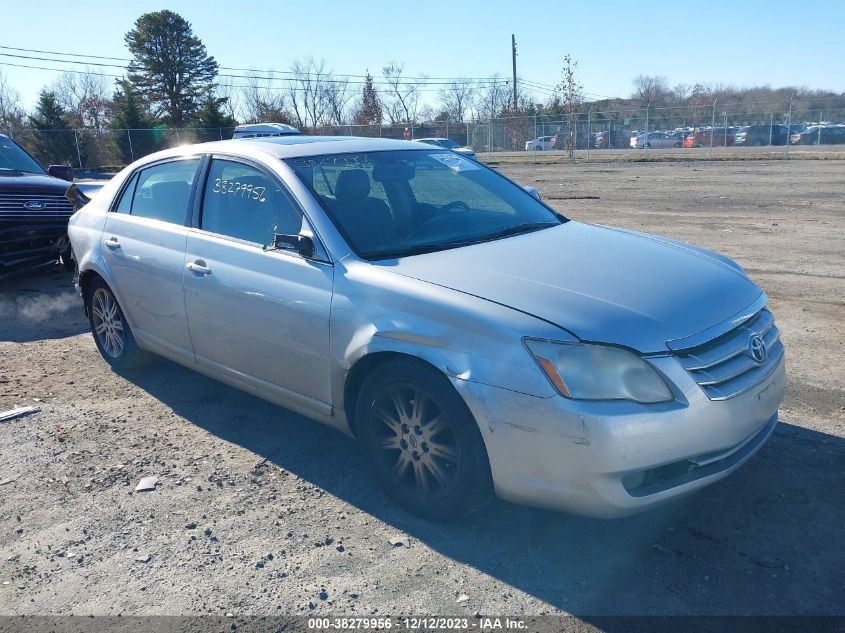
x,y
772,127
107,149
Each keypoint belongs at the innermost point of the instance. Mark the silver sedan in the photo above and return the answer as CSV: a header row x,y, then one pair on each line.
x,y
467,334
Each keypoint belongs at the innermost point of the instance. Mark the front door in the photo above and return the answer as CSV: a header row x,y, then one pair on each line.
x,y
257,315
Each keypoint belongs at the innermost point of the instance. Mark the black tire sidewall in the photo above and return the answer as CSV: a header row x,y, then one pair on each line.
x,y
474,469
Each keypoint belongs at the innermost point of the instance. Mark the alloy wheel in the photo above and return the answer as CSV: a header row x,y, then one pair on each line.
x,y
107,322
416,442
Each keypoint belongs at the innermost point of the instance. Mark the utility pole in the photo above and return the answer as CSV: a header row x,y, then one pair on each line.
x,y
513,58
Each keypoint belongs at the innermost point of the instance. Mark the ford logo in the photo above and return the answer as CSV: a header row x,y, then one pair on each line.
x,y
35,205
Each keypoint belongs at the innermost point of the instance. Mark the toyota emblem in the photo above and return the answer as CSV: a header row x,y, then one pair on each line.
x,y
757,348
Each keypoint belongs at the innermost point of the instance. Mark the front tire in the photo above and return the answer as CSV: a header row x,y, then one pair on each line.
x,y
111,332
421,440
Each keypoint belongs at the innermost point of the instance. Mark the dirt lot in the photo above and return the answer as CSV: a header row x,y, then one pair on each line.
x,y
259,511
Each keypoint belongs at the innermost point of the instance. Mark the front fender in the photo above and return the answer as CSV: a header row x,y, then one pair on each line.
x,y
465,337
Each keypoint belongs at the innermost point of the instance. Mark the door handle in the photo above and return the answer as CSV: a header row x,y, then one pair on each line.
x,y
198,266
112,243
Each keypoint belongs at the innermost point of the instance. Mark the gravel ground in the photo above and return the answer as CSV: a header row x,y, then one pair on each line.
x,y
259,511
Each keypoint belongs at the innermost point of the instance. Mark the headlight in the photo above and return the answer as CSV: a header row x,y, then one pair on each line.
x,y
598,372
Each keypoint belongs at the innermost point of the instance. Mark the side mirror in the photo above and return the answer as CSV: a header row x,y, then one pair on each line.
x,y
532,191
306,246
303,244
65,172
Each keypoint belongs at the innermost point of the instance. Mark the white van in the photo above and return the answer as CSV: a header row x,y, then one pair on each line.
x,y
253,130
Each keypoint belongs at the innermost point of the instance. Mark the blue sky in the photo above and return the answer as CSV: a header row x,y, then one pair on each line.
x,y
755,42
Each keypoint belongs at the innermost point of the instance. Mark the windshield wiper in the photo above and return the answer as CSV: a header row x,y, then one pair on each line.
x,y
411,250
421,249
516,229
10,171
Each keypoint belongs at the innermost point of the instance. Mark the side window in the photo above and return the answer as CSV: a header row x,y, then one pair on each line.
x,y
125,203
243,202
161,192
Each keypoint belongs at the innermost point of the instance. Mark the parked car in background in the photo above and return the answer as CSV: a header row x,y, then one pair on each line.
x,y
655,140
34,211
468,335
820,135
447,143
775,134
581,139
701,138
613,139
541,143
259,130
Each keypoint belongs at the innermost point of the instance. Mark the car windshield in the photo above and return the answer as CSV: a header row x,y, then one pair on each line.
x,y
391,204
448,143
13,158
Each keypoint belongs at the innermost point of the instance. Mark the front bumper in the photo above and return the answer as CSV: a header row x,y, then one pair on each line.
x,y
616,458
30,242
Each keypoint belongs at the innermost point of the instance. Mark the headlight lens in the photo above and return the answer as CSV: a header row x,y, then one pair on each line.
x,y
598,372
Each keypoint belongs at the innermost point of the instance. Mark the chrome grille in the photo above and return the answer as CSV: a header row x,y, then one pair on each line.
x,y
56,205
724,368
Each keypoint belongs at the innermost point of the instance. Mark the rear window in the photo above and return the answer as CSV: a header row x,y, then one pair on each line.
x,y
160,192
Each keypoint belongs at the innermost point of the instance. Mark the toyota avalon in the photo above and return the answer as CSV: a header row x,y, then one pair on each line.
x,y
467,334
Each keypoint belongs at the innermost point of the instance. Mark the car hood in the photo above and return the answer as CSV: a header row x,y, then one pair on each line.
x,y
33,183
599,283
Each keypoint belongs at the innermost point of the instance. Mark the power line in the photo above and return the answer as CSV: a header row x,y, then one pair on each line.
x,y
324,77
253,71
288,88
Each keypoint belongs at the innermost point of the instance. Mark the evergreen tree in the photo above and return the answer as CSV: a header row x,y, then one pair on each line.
x,y
170,67
212,118
54,143
131,117
369,111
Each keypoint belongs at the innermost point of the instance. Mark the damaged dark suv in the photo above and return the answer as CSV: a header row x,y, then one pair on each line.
x,y
33,211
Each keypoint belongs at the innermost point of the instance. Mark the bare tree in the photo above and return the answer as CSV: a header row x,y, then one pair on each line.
x,y
700,97
457,98
402,98
232,106
651,90
337,95
11,113
85,97
307,91
264,102
572,96
492,97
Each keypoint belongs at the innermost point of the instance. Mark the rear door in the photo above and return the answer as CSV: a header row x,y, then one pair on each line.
x,y
144,250
259,316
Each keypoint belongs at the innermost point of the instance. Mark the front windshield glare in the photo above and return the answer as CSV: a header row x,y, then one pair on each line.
x,y
14,158
392,204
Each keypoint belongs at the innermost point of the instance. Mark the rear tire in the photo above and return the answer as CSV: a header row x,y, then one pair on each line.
x,y
111,332
421,441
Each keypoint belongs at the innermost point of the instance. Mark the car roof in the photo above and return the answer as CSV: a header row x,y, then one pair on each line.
x,y
295,146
